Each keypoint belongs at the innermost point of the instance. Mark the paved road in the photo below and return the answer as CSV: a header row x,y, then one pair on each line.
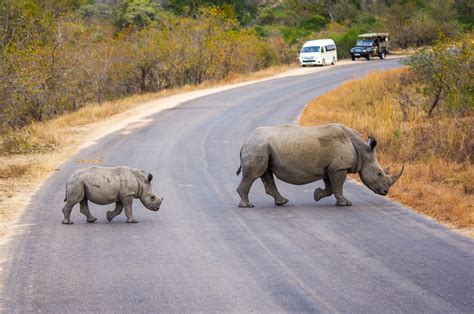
x,y
203,253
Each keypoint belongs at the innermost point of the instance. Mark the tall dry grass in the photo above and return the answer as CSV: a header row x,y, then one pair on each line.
x,y
437,152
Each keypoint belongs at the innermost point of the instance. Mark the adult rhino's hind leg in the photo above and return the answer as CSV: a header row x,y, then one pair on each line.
x,y
118,209
84,208
253,167
320,193
337,181
67,212
243,190
271,189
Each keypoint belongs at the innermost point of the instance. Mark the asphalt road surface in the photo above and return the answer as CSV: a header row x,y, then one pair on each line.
x,y
203,253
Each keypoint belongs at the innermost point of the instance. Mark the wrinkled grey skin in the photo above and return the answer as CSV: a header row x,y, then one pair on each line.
x,y
304,154
102,186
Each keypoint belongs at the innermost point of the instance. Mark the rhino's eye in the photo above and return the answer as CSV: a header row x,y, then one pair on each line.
x,y
153,198
380,174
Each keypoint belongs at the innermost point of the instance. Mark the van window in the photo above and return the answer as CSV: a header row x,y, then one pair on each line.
x,y
330,47
311,49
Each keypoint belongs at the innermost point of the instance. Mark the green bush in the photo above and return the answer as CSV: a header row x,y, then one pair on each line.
x,y
346,41
446,72
314,23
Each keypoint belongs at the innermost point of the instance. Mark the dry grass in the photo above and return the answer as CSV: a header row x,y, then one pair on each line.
x,y
437,151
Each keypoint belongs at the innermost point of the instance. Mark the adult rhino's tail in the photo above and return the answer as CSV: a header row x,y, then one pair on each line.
x,y
65,198
240,167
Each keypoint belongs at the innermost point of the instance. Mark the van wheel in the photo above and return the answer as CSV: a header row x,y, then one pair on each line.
x,y
324,62
368,57
382,55
353,58
333,61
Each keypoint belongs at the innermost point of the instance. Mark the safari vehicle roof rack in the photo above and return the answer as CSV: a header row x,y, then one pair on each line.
x,y
372,35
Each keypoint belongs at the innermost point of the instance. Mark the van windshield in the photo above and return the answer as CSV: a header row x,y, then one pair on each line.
x,y
311,49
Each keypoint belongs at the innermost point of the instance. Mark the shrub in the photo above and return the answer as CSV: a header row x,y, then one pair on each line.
x,y
446,73
314,23
346,41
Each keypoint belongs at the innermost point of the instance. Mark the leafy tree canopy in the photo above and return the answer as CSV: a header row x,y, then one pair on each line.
x,y
137,13
244,10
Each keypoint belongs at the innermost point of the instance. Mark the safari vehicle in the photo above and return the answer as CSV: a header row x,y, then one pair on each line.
x,y
371,45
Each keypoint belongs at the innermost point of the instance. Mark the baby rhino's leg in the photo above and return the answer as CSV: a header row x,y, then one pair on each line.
x,y
118,209
127,204
74,194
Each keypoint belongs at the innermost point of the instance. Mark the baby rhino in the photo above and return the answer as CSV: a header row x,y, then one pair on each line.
x,y
105,185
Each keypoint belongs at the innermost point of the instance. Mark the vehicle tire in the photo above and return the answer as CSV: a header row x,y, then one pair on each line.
x,y
303,65
353,58
324,62
368,57
333,61
382,55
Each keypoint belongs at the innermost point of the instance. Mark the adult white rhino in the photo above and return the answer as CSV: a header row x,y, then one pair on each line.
x,y
304,154
105,185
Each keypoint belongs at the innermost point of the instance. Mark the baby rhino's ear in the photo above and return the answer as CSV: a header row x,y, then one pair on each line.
x,y
150,177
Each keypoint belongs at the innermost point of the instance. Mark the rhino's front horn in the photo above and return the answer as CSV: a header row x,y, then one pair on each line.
x,y
397,176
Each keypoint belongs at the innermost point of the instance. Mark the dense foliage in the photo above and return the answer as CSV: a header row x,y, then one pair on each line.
x,y
58,55
410,22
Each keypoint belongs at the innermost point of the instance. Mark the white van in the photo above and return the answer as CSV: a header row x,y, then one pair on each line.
x,y
318,52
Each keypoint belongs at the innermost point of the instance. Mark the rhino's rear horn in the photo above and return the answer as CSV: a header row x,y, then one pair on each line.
x,y
386,171
150,177
397,176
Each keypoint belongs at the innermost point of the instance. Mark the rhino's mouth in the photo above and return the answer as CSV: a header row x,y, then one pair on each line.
x,y
380,191
153,208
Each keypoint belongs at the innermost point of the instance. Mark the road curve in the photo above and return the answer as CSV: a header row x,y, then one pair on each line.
x,y
203,253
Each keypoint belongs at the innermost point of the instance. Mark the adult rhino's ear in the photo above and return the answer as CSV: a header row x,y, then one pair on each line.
x,y
150,177
372,142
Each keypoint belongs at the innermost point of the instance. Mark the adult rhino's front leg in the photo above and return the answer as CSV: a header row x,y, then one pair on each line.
x,y
127,204
337,180
320,193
